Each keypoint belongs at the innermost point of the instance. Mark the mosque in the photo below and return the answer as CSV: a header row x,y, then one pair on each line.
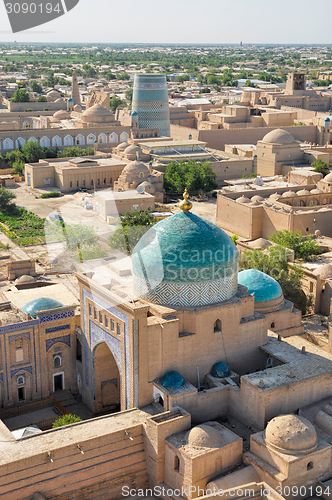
x,y
210,383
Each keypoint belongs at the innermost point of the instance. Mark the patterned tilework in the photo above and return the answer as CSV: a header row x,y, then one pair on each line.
x,y
13,337
136,385
111,381
50,342
86,353
55,317
19,326
98,334
117,314
24,369
187,294
57,328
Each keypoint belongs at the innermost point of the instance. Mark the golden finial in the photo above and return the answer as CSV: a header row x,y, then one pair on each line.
x,y
185,205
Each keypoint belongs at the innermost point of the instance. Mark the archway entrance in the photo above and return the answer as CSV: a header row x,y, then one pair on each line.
x,y
107,379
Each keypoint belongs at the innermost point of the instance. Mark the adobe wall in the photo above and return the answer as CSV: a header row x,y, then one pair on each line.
x,y
218,138
238,218
110,460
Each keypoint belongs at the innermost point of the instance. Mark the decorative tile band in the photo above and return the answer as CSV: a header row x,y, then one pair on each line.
x,y
57,328
51,342
187,294
19,326
55,317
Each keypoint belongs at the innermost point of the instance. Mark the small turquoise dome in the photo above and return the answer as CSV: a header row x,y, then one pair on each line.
x,y
327,119
260,284
134,113
220,370
185,260
40,304
70,100
172,380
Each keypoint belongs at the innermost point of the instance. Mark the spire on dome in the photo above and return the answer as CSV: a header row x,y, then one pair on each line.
x,y
185,205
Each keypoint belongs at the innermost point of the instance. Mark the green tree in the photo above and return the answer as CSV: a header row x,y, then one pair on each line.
x,y
41,98
182,78
130,229
115,102
274,262
66,420
14,156
304,247
36,87
321,166
78,235
20,95
32,152
129,94
197,177
18,167
123,76
74,151
6,197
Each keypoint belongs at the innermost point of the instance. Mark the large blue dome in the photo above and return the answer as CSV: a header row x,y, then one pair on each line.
x,y
40,304
185,260
260,284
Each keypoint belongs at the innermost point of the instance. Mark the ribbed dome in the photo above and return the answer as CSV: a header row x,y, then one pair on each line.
x,y
97,114
278,136
291,434
263,287
204,436
40,304
185,260
220,370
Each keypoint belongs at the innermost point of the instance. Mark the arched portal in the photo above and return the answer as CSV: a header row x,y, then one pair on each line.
x,y
107,380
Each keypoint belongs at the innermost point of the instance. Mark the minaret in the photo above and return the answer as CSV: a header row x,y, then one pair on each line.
x,y
75,94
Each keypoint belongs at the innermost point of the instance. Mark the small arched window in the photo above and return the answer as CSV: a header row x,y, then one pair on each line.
x,y
273,325
57,361
217,326
141,175
310,466
20,380
176,463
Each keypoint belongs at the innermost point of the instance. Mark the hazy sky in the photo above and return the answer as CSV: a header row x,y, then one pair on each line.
x,y
183,21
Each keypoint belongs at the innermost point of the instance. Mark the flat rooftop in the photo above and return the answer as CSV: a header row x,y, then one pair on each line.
x,y
130,194
173,144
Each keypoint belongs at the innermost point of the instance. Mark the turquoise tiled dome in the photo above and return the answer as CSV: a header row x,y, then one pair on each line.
x,y
220,370
172,380
185,260
260,284
40,304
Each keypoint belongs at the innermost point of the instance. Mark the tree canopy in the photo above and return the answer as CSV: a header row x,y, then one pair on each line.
x,y
304,247
20,95
6,199
321,166
131,227
196,176
36,87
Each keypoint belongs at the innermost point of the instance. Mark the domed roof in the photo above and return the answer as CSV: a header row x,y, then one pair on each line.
x,y
291,434
327,119
204,436
288,194
278,136
257,198
52,93
59,100
316,191
122,146
70,100
259,243
324,272
242,199
172,380
220,370
274,196
135,167
25,278
61,115
185,260
148,186
97,114
40,304
77,108
328,177
134,113
263,287
132,149
303,192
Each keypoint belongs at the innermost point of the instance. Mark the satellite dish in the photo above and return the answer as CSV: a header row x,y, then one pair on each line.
x,y
140,189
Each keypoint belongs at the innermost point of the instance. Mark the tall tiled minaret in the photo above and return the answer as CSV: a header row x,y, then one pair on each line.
x,y
75,94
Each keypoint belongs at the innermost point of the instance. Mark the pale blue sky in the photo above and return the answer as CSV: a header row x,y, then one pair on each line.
x,y
184,21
